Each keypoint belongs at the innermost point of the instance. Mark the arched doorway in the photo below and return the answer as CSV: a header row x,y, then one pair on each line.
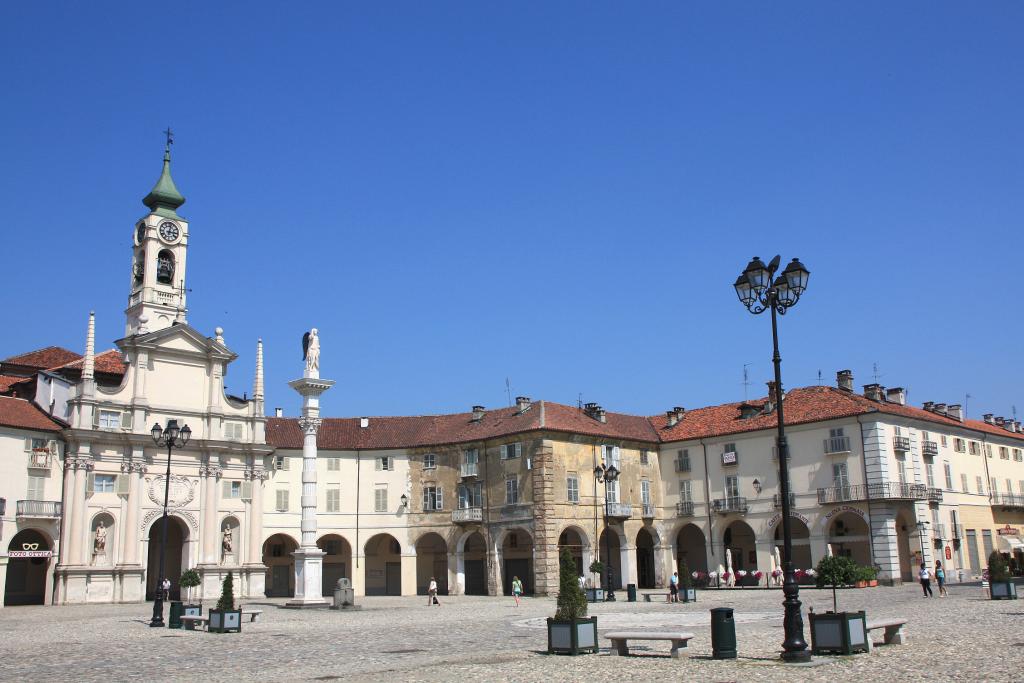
x,y
473,560
517,560
801,538
645,559
383,566
738,539
431,561
691,549
337,562
908,542
175,558
849,536
27,568
610,548
280,564
576,541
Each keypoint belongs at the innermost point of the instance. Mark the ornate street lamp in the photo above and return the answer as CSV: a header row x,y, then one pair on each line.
x,y
605,474
172,437
759,290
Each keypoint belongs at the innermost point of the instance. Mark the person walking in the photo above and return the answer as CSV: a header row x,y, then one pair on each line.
x,y
432,592
166,588
926,580
940,576
673,588
517,589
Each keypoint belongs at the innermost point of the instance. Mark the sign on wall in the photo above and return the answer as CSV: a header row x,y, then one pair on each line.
x,y
1008,531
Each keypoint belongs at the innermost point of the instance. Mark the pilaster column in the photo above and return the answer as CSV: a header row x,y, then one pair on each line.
x,y
258,475
83,464
69,507
133,469
210,472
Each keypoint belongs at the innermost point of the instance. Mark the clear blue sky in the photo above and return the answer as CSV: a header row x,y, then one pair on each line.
x,y
557,193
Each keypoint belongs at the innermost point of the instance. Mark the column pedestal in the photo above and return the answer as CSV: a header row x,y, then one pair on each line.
x,y
309,567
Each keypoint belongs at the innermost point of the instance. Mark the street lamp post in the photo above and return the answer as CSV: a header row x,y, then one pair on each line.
x,y
605,474
759,290
172,437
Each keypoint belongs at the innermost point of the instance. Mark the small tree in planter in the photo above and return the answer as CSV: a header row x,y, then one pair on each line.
x,y
225,618
835,631
595,593
571,632
1000,585
686,587
189,580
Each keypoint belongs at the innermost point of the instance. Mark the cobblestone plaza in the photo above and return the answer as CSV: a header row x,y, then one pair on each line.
x,y
962,637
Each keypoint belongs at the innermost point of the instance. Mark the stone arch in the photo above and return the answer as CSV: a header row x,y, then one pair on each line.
x,y
801,537
691,549
176,558
908,545
383,562
576,540
27,575
609,547
280,564
102,556
645,544
431,561
471,563
516,552
849,536
337,561
230,556
739,540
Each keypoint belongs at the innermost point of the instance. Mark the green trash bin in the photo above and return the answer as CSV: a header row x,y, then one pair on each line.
x,y
631,592
723,634
174,621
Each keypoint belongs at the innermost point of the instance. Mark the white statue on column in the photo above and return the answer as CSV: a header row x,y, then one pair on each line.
x,y
311,352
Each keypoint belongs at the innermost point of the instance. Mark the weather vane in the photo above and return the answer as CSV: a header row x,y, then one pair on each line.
x,y
170,137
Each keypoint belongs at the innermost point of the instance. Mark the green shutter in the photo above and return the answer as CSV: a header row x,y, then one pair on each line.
x,y
90,485
225,489
122,484
246,490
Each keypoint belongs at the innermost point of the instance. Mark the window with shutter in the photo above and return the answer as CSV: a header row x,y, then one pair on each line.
x,y
380,502
90,483
504,451
333,500
280,462
572,487
440,499
333,464
282,500
685,493
247,490
126,419
103,483
612,492
511,490
429,461
645,492
225,489
122,485
36,487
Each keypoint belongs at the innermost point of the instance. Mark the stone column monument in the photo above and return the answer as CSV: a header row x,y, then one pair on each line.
x,y
309,558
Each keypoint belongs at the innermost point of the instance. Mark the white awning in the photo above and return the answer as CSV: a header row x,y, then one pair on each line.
x,y
1014,543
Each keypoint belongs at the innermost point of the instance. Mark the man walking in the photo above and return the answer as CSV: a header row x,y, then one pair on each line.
x,y
926,580
673,588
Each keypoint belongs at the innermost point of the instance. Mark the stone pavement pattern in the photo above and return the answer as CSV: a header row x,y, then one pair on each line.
x,y
963,638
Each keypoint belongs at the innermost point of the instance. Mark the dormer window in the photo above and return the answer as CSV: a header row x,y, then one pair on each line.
x,y
165,267
748,411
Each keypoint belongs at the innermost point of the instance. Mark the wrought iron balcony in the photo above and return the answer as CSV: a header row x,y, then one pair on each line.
x,y
731,504
730,458
939,532
1007,500
835,445
901,443
934,495
469,469
957,531
648,510
684,509
777,500
40,459
39,509
929,448
682,464
882,491
618,510
467,515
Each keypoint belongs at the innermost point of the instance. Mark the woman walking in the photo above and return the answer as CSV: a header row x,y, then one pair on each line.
x,y
432,592
517,589
940,576
926,580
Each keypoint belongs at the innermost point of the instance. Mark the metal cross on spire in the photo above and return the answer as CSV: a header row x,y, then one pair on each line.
x,y
170,137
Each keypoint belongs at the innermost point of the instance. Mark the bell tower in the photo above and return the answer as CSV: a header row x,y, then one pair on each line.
x,y
160,245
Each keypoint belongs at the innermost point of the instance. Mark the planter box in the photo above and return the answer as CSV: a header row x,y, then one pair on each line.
x,y
688,594
572,637
1003,590
193,611
842,633
225,621
595,595
860,584
872,583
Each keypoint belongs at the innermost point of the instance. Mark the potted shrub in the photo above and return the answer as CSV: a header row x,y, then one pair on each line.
x,y
189,580
757,576
571,632
860,578
225,618
595,593
999,583
837,632
687,591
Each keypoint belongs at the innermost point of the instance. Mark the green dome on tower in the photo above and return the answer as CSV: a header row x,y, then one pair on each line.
x,y
164,198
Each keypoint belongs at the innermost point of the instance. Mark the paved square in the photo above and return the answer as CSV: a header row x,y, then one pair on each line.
x,y
963,637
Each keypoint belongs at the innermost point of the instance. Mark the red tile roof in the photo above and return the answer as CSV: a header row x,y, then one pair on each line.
x,y
17,412
43,359
110,362
6,381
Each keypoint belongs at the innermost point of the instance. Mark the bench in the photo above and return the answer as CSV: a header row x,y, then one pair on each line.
x,y
190,621
253,614
647,596
894,633
620,640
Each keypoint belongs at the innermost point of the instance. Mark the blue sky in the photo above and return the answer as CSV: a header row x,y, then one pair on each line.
x,y
556,193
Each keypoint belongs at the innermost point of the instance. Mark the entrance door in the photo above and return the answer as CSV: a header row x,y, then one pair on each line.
x,y
476,577
393,578
520,568
332,572
279,580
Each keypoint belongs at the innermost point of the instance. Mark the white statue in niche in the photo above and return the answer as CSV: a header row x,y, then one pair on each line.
x,y
99,543
227,541
311,350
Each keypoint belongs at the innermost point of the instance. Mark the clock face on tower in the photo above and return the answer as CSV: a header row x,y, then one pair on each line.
x,y
169,231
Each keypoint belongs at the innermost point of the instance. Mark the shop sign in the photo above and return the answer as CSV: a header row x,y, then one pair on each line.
x,y
30,553
839,509
792,513
1008,531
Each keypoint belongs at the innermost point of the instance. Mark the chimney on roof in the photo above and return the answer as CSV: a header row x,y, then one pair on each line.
x,y
673,417
522,403
1011,425
987,417
278,412
929,406
1000,421
955,411
589,408
679,410
478,413
364,422
601,415
940,408
844,380
873,392
896,395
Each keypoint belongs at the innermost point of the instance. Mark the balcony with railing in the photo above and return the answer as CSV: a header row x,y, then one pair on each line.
x,y
939,532
934,494
777,500
731,504
837,445
682,464
648,510
684,509
40,459
467,515
1007,500
469,469
618,510
730,458
39,509
882,491
929,448
901,443
957,530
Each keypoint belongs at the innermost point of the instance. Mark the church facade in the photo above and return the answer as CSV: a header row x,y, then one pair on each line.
x,y
472,498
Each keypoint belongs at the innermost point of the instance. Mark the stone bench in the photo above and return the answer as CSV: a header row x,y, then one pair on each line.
x,y
647,596
620,640
253,614
893,631
190,621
